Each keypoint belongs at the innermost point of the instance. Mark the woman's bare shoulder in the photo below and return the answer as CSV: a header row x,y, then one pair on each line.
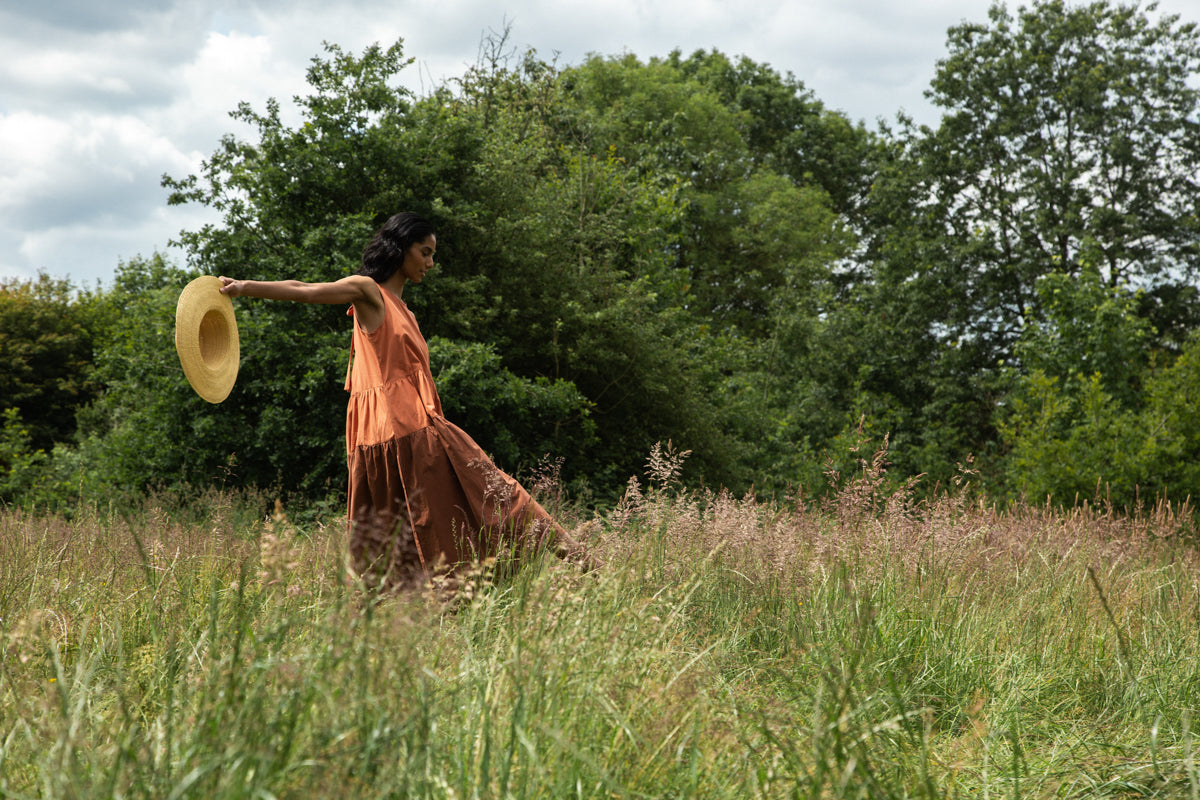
x,y
361,285
368,301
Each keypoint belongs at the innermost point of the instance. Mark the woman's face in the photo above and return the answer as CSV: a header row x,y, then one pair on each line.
x,y
418,259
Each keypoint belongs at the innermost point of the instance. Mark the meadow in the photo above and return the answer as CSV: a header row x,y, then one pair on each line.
x,y
868,644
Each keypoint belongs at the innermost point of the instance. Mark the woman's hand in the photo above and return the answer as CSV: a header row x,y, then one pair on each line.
x,y
231,287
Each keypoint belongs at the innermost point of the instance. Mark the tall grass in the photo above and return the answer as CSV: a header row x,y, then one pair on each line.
x,y
865,646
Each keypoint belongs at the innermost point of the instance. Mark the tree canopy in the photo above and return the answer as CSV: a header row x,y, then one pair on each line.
x,y
691,248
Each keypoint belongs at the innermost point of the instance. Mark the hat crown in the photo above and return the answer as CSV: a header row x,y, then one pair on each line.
x,y
214,338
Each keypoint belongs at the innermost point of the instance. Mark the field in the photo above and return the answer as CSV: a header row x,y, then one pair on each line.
x,y
865,646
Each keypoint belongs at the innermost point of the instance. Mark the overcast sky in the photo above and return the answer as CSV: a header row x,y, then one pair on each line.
x,y
99,99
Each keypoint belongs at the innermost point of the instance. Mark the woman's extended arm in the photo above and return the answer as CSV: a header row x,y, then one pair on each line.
x,y
351,289
359,290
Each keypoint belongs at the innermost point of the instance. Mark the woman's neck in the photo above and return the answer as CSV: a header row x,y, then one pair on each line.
x,y
395,284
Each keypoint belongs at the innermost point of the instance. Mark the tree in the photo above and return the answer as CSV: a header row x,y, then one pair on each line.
x,y
1072,416
1070,141
729,134
1069,145
769,184
574,249
47,329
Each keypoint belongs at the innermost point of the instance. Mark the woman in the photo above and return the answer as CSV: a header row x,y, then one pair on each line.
x,y
422,493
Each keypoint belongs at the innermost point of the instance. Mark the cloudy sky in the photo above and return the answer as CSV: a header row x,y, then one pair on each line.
x,y
98,99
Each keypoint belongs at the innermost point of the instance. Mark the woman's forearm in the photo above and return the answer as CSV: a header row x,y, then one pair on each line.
x,y
276,290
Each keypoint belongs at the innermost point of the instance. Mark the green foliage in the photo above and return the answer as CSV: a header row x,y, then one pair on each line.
x,y
1168,423
1092,411
1087,328
1069,145
1072,443
1071,436
1070,141
560,259
690,249
20,465
47,330
571,249
763,170
510,417
148,428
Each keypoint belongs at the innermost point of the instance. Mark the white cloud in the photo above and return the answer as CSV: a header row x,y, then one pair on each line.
x,y
66,250
65,71
80,167
98,100
228,69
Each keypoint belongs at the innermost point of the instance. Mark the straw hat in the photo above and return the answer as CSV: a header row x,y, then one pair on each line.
x,y
206,338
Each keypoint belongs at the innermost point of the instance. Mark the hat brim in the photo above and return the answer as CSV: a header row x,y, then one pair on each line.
x,y
206,338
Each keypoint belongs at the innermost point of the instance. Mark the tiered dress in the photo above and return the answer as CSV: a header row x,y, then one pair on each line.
x,y
422,492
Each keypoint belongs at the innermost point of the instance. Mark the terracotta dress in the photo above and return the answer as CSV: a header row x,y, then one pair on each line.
x,y
422,492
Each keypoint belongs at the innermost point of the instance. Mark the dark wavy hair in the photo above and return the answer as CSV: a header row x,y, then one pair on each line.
x,y
384,254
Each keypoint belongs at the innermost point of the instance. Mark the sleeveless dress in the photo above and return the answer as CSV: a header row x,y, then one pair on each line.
x,y
423,495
